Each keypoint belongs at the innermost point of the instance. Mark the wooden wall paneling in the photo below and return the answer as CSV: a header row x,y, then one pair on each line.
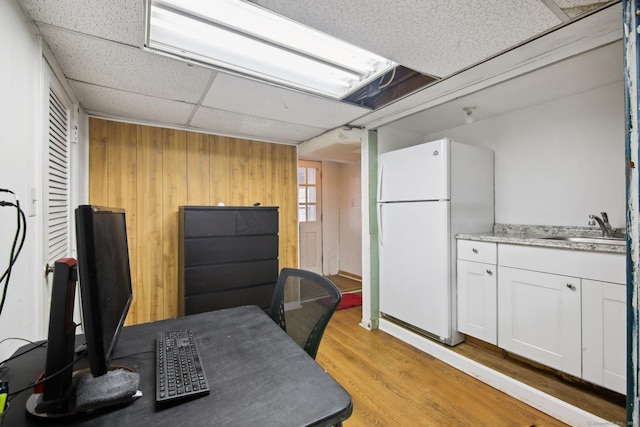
x,y
198,169
258,182
174,192
271,175
239,168
220,170
290,204
286,194
279,191
98,162
150,284
121,189
149,172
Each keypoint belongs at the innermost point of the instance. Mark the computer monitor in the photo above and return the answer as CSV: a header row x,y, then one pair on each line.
x,y
105,280
103,270
56,390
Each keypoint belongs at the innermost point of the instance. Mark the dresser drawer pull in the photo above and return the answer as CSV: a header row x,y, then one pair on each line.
x,y
490,273
570,286
474,250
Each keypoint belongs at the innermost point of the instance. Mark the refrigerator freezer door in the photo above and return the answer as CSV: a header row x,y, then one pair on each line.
x,y
415,173
414,264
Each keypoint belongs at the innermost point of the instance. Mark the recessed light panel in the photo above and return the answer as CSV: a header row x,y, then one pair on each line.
x,y
244,38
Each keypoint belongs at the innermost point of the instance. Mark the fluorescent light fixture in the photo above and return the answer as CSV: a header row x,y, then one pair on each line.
x,y
244,38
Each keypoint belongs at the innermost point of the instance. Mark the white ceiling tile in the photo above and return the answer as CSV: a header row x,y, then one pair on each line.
x,y
91,60
241,125
250,97
115,103
438,37
118,20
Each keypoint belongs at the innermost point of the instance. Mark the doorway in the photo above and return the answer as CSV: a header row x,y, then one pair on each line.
x,y
310,215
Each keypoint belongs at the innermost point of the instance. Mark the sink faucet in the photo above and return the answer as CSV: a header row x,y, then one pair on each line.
x,y
602,222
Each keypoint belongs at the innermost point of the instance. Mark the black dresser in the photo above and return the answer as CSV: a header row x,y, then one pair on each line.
x,y
228,256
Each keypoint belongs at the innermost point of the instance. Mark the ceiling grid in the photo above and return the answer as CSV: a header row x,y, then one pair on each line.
x,y
99,48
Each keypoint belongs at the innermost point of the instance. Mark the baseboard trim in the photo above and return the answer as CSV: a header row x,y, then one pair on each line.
x,y
533,397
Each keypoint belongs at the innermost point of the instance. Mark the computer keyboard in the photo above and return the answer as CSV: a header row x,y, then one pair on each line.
x,y
179,373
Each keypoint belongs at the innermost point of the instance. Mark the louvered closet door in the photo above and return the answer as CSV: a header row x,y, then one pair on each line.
x,y
56,183
58,217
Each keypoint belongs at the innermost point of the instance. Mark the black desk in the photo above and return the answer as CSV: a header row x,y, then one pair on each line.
x,y
257,374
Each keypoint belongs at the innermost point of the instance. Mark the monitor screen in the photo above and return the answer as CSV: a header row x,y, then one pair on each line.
x,y
105,280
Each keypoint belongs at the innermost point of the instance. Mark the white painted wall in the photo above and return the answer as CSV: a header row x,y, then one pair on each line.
x,y
22,138
390,139
558,162
20,77
330,217
555,163
341,218
350,229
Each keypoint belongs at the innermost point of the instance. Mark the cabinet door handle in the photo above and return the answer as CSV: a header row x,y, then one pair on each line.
x,y
489,272
570,286
474,250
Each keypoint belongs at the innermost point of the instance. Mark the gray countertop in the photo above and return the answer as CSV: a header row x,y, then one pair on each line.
x,y
535,235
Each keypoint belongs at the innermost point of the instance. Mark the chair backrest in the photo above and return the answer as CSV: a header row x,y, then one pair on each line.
x,y
303,303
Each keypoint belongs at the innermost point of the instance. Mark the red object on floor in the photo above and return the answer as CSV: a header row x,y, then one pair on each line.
x,y
349,300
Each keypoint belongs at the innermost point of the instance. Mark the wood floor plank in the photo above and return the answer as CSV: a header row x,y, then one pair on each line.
x,y
596,400
392,383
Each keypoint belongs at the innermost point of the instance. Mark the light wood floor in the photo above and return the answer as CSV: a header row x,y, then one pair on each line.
x,y
392,383
604,403
389,381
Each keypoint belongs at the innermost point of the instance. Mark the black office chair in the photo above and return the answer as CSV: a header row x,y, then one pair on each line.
x,y
302,304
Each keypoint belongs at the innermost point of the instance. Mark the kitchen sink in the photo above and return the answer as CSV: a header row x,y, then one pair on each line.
x,y
599,240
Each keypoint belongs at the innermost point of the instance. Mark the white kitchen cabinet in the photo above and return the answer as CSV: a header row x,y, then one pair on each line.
x,y
477,290
565,309
539,317
604,355
559,307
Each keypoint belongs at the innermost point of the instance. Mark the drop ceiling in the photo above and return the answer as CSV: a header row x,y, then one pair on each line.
x,y
98,46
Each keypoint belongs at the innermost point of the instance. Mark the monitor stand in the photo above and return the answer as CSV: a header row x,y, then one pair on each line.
x,y
89,393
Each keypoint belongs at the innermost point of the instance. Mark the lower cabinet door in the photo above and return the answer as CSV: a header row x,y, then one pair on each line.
x,y
477,300
539,317
604,328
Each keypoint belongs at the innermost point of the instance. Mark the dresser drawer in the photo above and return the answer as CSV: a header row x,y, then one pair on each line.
x,y
485,252
212,250
255,295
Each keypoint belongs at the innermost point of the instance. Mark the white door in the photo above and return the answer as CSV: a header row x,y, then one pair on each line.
x,y
414,264
415,173
539,317
604,338
310,215
477,300
56,183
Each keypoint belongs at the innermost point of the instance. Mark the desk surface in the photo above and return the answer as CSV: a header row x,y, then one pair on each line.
x,y
257,375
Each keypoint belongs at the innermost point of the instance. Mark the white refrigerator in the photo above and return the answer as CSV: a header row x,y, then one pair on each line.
x,y
427,194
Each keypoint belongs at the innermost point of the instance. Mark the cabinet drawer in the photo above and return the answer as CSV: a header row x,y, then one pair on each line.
x,y
470,250
221,277
199,222
255,295
605,267
210,250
